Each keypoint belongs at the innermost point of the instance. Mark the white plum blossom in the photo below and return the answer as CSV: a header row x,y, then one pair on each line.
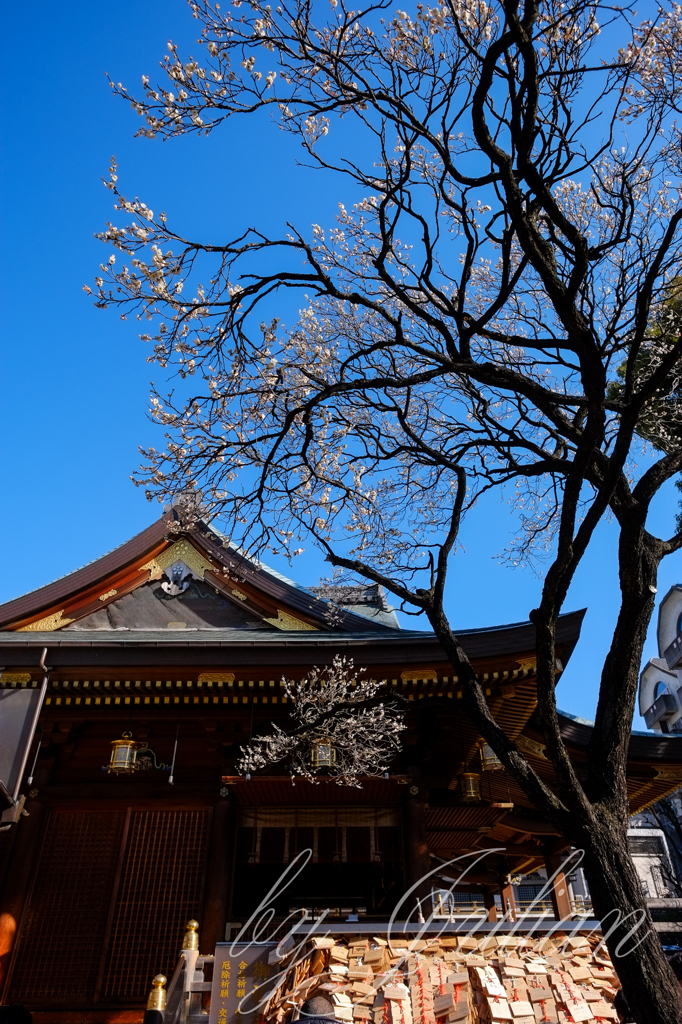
x,y
337,707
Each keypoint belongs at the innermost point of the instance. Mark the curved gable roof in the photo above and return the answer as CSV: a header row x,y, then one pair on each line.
x,y
93,586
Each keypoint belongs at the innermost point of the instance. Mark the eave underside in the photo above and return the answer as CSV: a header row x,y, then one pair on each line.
x,y
87,706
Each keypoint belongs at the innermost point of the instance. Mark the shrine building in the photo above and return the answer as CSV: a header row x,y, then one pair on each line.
x,y
179,640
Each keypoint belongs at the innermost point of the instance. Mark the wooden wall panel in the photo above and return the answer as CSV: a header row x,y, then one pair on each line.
x,y
60,943
6,841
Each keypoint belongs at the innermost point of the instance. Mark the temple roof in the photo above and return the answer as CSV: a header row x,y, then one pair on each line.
x,y
180,611
171,561
494,649
192,592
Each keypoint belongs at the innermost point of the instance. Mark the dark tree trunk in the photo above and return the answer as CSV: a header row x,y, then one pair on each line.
x,y
596,822
651,988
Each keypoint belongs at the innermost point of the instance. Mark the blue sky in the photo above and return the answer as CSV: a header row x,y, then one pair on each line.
x,y
75,379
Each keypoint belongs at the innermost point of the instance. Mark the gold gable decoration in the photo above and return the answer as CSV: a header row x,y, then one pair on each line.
x,y
46,625
15,678
670,774
419,674
181,551
216,677
289,622
529,746
531,665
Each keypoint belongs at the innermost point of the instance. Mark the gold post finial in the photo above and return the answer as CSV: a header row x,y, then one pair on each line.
x,y
191,938
157,996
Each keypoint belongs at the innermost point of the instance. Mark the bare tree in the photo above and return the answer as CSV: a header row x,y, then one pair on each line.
x,y
515,239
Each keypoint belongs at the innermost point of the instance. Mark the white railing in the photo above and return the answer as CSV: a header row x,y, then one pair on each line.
x,y
580,907
184,992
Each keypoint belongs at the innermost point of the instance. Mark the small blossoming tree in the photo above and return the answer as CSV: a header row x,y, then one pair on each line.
x,y
333,708
498,308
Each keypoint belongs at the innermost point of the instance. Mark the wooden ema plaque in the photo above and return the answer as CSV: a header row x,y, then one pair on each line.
x,y
239,989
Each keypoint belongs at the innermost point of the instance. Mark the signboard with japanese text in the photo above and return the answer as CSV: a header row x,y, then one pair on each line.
x,y
240,970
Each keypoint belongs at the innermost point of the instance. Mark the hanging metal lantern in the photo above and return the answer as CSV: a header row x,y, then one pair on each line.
x,y
123,754
490,762
471,787
322,753
129,755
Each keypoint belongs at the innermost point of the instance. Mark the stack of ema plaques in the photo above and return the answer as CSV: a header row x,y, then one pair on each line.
x,y
446,980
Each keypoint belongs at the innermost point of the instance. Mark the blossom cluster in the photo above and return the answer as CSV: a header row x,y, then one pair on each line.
x,y
488,273
337,707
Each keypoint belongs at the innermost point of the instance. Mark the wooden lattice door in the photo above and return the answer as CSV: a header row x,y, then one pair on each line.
x,y
160,889
111,894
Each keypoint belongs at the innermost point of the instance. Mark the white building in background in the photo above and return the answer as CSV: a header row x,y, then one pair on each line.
x,y
651,857
660,684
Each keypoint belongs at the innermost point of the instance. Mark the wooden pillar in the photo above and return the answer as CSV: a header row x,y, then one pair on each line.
x,y
417,860
220,871
16,886
561,901
489,904
508,902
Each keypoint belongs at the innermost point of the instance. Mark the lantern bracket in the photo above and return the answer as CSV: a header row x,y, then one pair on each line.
x,y
129,755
